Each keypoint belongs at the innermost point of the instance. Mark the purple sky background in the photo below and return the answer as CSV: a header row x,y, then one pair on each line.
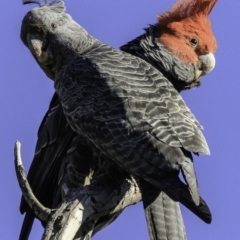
x,y
25,93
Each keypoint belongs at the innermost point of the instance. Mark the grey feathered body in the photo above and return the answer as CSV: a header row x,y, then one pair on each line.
x,y
132,114
128,111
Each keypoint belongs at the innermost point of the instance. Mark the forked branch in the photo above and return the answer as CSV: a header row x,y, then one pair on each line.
x,y
83,211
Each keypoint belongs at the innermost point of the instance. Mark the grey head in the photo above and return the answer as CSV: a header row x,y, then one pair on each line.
x,y
52,36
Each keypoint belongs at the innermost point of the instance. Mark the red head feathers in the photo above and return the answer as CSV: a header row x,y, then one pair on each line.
x,y
186,29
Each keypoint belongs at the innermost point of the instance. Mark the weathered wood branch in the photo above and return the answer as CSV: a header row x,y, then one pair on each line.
x,y
40,211
83,211
86,205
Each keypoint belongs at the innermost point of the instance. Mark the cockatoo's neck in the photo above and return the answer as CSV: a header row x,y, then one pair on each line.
x,y
150,49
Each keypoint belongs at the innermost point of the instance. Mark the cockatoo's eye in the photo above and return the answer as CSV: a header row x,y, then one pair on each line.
x,y
53,26
194,42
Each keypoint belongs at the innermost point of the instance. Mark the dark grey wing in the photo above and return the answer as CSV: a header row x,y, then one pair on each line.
x,y
133,115
148,98
54,138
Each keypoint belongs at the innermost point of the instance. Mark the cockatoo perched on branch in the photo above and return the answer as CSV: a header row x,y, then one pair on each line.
x,y
127,110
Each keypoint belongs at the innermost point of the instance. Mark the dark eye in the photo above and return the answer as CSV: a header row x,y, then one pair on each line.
x,y
194,42
53,26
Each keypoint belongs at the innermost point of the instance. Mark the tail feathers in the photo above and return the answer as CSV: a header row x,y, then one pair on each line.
x,y
27,225
189,175
202,210
178,191
163,215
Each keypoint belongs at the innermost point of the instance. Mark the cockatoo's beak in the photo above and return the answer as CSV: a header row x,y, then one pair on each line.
x,y
38,47
207,62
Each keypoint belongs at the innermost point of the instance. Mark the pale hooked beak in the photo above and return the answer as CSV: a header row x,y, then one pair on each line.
x,y
37,45
207,63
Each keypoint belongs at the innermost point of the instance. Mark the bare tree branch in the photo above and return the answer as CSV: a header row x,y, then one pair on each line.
x,y
83,211
40,211
82,207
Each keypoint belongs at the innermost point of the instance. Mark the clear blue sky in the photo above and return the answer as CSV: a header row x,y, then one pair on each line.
x,y
25,93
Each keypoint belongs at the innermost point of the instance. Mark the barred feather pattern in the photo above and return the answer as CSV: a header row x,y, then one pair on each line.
x,y
131,113
165,218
